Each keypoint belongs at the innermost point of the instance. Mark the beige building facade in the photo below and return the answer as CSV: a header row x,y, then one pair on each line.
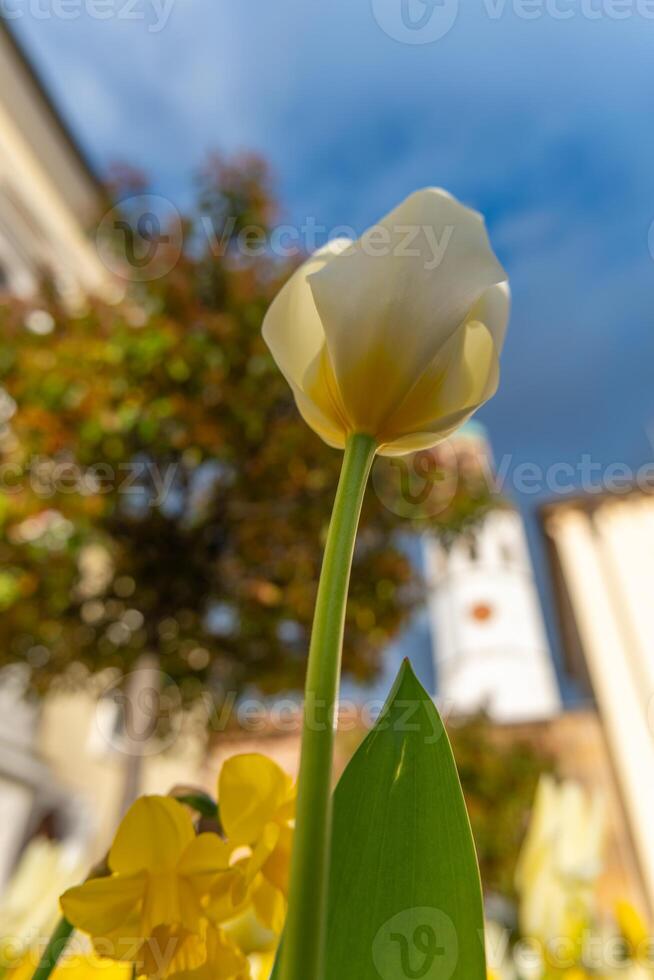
x,y
50,199
602,559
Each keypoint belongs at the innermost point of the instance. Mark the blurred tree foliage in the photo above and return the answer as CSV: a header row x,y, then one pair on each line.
x,y
160,492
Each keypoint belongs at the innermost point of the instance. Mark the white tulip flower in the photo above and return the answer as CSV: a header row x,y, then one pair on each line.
x,y
398,334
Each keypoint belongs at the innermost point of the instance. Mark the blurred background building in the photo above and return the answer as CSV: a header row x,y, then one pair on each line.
x,y
50,198
488,635
602,559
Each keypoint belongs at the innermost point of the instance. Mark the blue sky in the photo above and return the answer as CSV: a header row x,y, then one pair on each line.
x,y
545,125
540,114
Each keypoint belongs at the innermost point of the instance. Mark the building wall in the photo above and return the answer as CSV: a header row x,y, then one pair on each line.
x,y
604,550
49,199
490,642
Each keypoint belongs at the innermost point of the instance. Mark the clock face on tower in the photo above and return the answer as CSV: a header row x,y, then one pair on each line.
x,y
481,612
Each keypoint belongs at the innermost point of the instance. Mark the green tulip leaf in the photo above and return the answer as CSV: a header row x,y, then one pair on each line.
x,y
405,897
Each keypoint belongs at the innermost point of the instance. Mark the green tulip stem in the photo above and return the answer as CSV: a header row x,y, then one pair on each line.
x,y
302,953
56,946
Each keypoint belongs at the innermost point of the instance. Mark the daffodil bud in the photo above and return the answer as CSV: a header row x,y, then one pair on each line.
x,y
398,334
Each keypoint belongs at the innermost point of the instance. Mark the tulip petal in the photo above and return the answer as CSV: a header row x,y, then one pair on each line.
x,y
462,377
390,301
102,905
153,835
251,790
294,334
330,430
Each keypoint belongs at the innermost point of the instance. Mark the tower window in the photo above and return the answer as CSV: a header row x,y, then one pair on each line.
x,y
507,554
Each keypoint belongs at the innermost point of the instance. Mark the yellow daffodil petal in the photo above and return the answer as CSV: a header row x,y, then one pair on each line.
x,y
162,904
251,790
206,858
79,967
269,905
276,867
123,942
249,933
153,835
632,926
224,959
263,850
221,959
171,949
103,905
227,897
261,965
205,855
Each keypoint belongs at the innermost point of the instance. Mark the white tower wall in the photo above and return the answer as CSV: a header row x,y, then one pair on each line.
x,y
490,643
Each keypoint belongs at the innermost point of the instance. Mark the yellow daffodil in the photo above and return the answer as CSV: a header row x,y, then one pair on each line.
x,y
161,873
184,956
261,965
256,799
398,334
560,861
633,927
86,967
